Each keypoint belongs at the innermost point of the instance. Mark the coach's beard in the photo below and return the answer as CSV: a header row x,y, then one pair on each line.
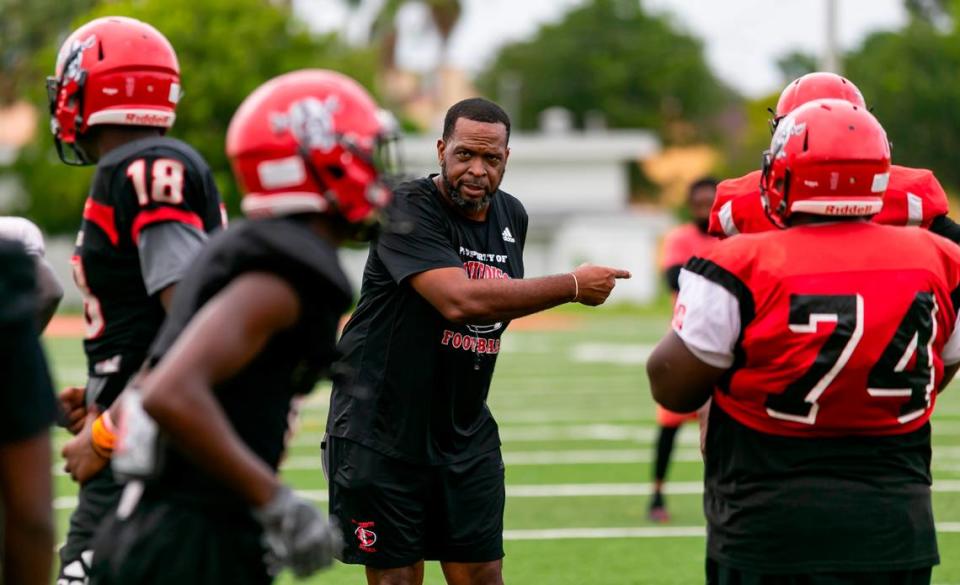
x,y
467,205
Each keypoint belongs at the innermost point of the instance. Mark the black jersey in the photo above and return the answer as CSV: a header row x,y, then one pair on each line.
x,y
257,399
415,385
26,393
142,183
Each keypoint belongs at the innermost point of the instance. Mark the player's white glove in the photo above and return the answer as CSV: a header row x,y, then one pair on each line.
x,y
297,535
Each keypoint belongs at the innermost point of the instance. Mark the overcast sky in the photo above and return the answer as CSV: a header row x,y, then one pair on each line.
x,y
743,38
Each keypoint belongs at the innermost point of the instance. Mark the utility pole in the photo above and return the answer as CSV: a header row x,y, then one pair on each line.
x,y
830,60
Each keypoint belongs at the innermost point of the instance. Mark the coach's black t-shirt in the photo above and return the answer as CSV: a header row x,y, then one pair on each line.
x,y
804,505
27,404
414,385
257,399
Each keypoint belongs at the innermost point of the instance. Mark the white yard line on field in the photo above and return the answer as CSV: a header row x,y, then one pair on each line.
x,y
644,434
945,458
564,457
580,432
606,533
594,456
611,353
591,490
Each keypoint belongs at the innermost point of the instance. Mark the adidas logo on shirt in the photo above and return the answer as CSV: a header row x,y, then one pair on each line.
x,y
507,236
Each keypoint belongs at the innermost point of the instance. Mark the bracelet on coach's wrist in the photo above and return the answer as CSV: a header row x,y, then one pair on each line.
x,y
576,288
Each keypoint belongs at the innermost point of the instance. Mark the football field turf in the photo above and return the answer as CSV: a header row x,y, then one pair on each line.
x,y
577,424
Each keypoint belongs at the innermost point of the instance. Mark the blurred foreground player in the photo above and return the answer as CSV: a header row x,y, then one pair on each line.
x,y
679,245
49,291
824,346
27,410
151,205
913,197
253,326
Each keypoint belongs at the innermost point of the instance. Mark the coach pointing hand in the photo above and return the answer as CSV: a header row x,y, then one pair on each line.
x,y
595,283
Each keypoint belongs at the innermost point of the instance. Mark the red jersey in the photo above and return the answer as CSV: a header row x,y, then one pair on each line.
x,y
684,242
841,327
913,197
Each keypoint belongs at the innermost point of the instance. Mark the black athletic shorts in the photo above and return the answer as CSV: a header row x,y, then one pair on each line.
x,y
178,542
97,499
720,574
394,514
98,496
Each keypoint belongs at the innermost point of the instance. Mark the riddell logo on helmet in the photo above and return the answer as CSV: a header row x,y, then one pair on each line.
x,y
147,119
849,209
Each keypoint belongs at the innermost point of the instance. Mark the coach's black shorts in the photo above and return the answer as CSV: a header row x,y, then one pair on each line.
x,y
169,542
394,514
720,574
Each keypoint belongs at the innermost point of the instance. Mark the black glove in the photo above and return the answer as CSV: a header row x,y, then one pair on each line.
x,y
297,535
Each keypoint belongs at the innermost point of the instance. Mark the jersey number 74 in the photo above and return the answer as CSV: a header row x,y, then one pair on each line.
x,y
889,377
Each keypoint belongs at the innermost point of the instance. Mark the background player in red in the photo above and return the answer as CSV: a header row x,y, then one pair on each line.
x,y
823,346
913,196
679,245
151,205
253,324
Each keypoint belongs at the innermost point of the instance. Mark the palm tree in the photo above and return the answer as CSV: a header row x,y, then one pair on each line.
x,y
383,31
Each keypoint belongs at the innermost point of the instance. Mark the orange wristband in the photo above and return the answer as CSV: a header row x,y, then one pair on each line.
x,y
103,436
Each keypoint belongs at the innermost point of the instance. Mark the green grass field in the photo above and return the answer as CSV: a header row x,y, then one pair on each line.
x,y
577,423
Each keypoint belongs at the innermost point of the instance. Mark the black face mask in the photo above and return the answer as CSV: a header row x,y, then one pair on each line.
x,y
702,224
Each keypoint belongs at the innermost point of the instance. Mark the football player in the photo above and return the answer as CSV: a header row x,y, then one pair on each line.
x,y
27,408
253,325
679,245
49,290
823,347
151,205
913,196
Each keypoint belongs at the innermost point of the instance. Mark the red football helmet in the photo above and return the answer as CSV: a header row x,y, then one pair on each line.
x,y
112,70
815,86
311,141
827,157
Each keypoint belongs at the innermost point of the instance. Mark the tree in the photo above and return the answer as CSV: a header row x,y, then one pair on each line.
x,y
909,79
796,64
383,33
27,27
612,57
383,29
226,49
937,12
